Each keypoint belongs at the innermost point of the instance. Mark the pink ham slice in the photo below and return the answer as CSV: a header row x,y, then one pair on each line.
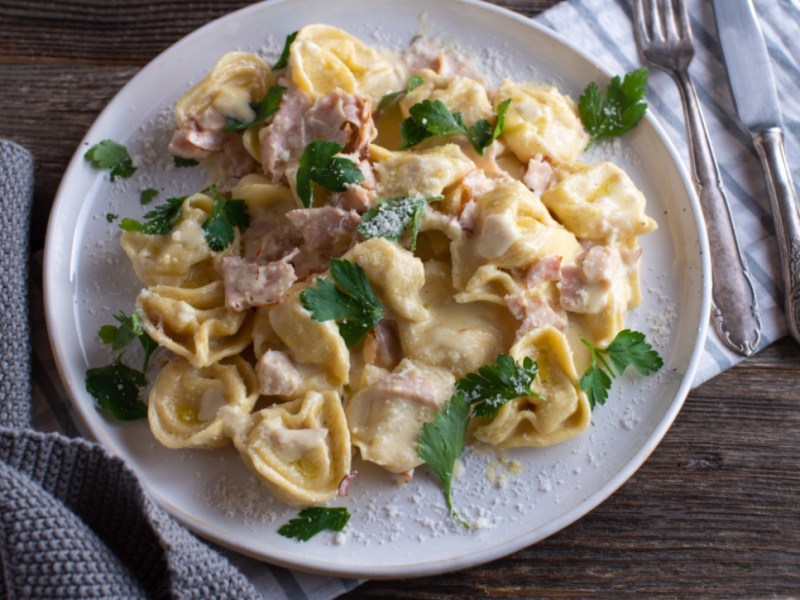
x,y
201,136
249,284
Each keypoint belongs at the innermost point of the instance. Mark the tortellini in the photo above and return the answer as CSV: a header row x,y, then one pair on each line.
x,y
299,449
187,404
476,239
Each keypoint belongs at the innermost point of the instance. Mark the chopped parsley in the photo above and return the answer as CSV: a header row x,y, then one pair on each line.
x,y
158,221
629,348
617,113
116,389
283,60
320,164
225,215
441,442
389,99
180,162
313,520
147,196
111,217
391,218
349,301
264,110
432,118
108,154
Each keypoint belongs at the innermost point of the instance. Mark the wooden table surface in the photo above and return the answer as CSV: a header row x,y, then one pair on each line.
x,y
713,512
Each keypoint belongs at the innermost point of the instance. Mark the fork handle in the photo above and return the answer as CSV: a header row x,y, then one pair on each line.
x,y
769,145
734,308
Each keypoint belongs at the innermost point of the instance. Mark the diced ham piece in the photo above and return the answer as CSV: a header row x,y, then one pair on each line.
x,y
327,230
538,176
422,54
201,136
277,374
382,346
344,484
249,284
547,268
534,312
585,286
266,240
337,117
236,160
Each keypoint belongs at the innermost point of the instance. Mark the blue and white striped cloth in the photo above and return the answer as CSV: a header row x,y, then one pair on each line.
x,y
602,29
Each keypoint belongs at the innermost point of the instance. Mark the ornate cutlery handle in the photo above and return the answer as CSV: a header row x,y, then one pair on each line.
x,y
734,305
769,145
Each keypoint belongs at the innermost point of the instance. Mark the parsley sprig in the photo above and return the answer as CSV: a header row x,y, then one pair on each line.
x,y
629,348
349,301
225,215
313,520
158,221
389,99
129,329
109,154
621,109
431,118
441,442
116,387
392,217
320,164
264,110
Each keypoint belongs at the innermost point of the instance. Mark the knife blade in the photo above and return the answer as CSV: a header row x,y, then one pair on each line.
x,y
753,89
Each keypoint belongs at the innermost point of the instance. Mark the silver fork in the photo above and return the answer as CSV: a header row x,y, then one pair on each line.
x,y
664,37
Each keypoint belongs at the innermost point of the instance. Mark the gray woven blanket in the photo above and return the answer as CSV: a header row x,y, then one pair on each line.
x,y
74,521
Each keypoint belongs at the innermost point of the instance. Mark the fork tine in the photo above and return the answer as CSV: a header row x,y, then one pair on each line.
x,y
640,30
682,19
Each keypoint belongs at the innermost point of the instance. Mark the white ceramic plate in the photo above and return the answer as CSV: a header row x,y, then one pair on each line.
x,y
515,498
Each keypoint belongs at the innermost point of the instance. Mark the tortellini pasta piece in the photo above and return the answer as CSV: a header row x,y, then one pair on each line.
x,y
512,230
457,337
311,342
300,449
561,411
237,79
181,257
459,94
324,58
541,120
600,202
193,322
386,415
489,284
185,406
421,173
396,275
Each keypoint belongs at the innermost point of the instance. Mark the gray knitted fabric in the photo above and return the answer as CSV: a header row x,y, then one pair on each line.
x,y
74,520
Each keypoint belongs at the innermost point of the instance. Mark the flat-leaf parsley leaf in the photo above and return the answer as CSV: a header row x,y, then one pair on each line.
x,y
389,99
629,348
349,301
130,328
617,113
108,154
158,221
320,164
494,385
313,520
283,60
116,389
225,214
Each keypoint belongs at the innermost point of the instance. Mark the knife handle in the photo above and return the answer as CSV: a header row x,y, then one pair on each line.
x,y
769,145
734,309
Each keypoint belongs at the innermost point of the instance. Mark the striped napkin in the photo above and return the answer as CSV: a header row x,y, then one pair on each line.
x,y
601,29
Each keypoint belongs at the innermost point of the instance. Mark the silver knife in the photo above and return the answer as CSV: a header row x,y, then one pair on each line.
x,y
756,99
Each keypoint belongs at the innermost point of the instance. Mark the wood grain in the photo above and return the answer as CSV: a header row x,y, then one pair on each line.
x,y
712,513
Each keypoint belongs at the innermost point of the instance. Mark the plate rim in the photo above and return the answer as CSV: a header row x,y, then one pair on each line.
x,y
438,566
